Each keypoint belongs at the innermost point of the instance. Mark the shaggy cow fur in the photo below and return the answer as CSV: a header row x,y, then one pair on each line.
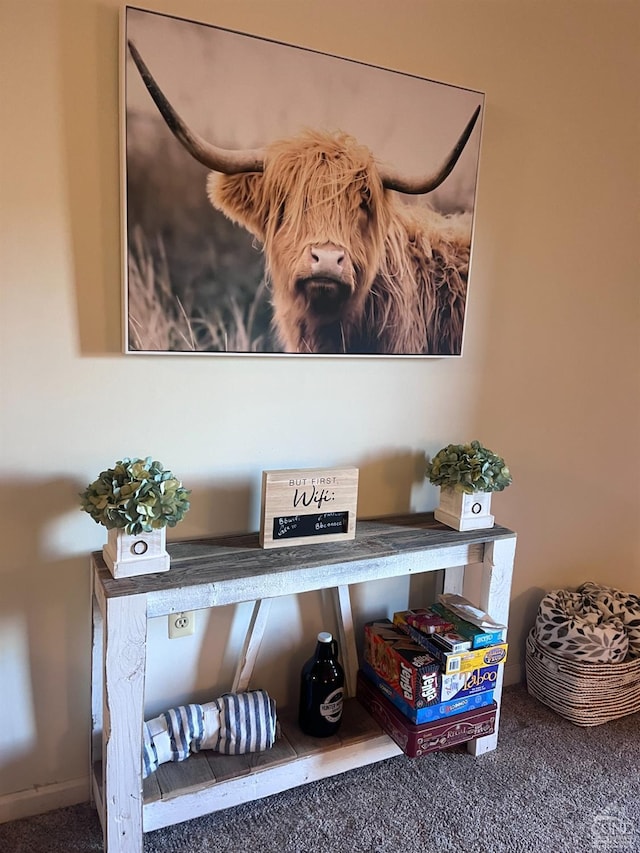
x,y
352,268
400,283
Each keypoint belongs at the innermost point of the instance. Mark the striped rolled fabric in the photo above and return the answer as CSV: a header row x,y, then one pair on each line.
x,y
150,760
247,722
186,730
234,724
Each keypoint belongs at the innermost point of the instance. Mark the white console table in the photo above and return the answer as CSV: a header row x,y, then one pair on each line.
x,y
226,570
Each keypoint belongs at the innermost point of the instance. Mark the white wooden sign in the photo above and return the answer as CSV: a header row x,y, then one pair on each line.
x,y
302,506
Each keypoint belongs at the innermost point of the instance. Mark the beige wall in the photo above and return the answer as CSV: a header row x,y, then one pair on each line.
x,y
549,377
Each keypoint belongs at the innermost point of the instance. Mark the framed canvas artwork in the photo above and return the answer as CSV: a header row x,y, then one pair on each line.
x,y
282,201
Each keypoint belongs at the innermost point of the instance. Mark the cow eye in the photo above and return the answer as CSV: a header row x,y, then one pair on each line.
x,y
365,199
365,212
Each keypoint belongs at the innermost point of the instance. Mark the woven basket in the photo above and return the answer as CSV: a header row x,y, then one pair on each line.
x,y
586,694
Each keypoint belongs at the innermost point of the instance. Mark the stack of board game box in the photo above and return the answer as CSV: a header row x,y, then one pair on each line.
x,y
428,676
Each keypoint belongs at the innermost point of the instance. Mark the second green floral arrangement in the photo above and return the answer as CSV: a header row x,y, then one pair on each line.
x,y
468,468
137,496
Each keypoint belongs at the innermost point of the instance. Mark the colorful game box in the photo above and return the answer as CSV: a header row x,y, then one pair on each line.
x,y
415,674
427,622
452,662
480,638
415,740
433,712
406,666
451,641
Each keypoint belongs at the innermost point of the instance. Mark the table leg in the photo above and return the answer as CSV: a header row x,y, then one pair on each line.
x,y
125,628
97,692
495,594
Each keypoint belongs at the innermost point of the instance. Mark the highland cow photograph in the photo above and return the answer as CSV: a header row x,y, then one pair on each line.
x,y
281,201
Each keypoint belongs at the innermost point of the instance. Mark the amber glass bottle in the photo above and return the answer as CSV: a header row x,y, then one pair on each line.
x,y
321,690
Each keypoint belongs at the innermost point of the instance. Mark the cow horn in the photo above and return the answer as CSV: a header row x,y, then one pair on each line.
x,y
219,159
426,183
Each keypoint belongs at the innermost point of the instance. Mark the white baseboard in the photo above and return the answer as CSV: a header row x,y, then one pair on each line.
x,y
43,799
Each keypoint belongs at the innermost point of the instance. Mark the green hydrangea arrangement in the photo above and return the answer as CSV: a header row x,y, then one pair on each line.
x,y
468,468
136,495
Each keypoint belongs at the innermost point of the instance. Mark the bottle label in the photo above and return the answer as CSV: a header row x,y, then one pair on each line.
x,y
331,708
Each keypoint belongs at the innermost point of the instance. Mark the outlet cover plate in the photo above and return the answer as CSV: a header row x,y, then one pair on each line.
x,y
182,624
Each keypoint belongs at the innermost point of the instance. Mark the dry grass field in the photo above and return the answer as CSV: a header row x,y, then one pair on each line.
x,y
195,281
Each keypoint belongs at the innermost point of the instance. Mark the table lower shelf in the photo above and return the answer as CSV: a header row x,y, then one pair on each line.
x,y
209,781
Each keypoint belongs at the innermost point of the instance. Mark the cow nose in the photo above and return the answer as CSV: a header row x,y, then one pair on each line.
x,y
327,260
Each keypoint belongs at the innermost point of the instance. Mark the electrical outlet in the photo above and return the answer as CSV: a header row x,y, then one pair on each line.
x,y
182,624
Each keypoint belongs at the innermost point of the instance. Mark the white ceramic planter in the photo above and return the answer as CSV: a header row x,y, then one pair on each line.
x,y
127,555
464,512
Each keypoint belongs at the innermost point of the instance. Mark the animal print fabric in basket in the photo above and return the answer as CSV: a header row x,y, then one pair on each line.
x,y
595,623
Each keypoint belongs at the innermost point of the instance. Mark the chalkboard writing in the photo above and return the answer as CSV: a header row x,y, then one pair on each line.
x,y
315,524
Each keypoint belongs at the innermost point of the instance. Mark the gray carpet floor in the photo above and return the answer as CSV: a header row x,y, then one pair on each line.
x,y
550,786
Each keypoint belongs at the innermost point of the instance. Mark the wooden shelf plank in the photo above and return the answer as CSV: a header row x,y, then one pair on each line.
x,y
305,745
225,767
187,775
281,752
357,724
151,789
214,572
263,783
210,769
